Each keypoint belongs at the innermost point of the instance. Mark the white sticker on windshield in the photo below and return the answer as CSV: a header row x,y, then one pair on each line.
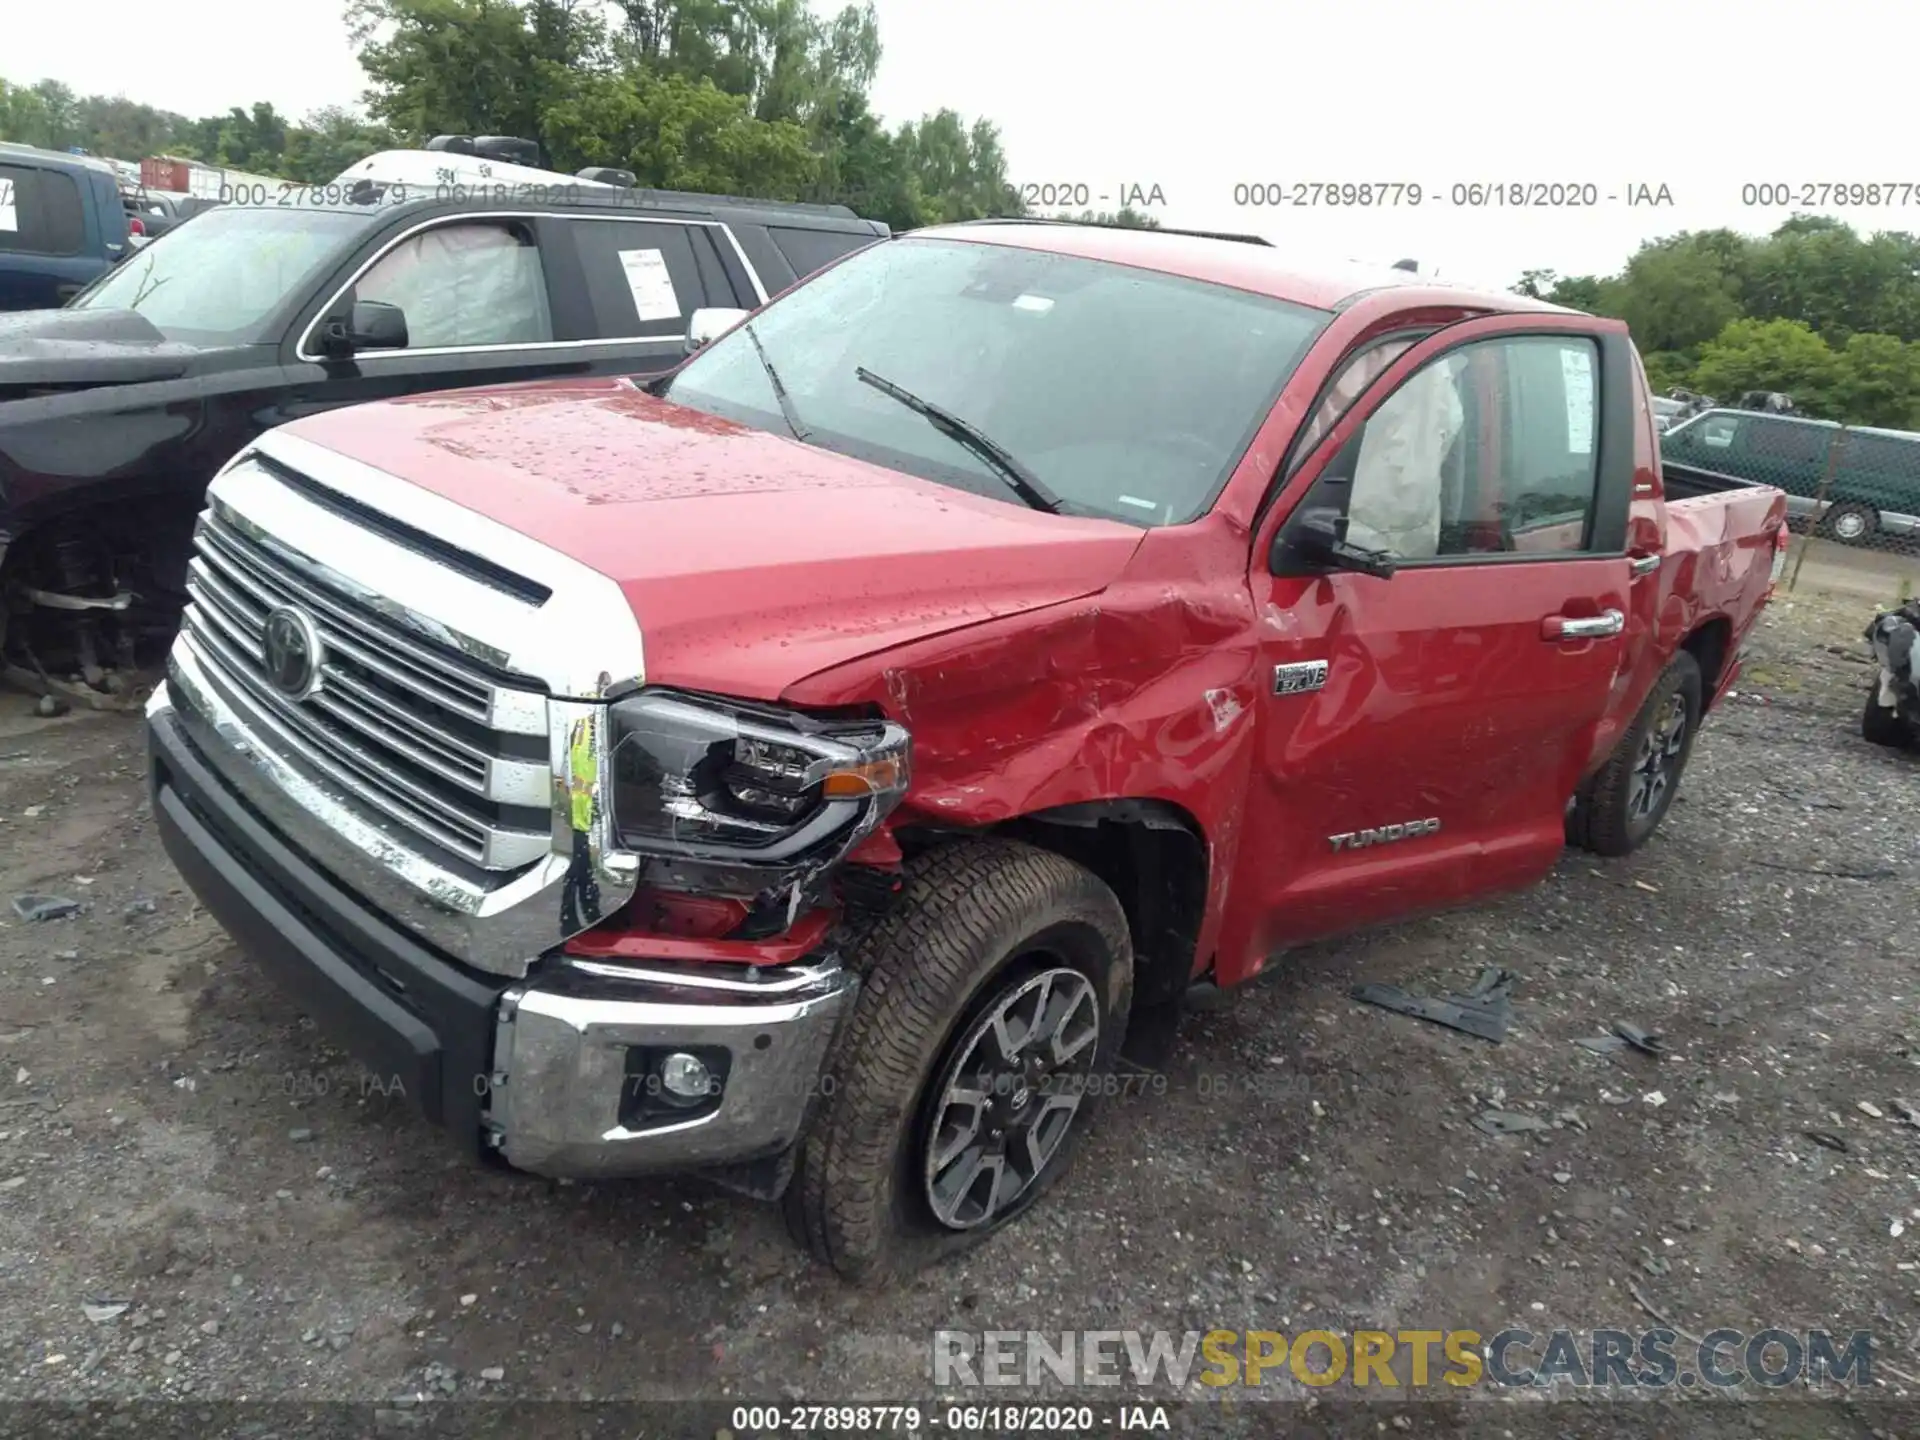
x,y
9,216
1576,370
1039,303
652,287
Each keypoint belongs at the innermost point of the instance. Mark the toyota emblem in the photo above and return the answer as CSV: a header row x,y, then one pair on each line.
x,y
293,652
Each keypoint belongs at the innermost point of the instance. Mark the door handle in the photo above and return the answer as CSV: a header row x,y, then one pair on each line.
x,y
1644,564
1584,627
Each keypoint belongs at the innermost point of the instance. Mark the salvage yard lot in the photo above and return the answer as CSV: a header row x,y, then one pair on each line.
x,y
175,1140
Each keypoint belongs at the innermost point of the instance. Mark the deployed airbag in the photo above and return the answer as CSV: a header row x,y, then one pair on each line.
x,y
463,285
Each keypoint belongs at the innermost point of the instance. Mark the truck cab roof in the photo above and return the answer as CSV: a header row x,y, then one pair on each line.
x,y
10,149
1230,260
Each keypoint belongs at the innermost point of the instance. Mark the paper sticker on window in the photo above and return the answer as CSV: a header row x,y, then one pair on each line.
x,y
652,287
1576,370
9,216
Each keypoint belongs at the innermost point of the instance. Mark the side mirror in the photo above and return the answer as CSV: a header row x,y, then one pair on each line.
x,y
372,325
706,326
1316,540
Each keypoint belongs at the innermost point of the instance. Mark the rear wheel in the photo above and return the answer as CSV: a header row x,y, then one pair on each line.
x,y
1882,725
1850,523
1627,798
995,993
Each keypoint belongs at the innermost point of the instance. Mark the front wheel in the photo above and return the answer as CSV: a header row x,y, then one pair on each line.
x,y
995,993
1627,798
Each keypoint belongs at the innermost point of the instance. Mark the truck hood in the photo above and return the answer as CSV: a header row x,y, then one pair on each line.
x,y
47,350
751,561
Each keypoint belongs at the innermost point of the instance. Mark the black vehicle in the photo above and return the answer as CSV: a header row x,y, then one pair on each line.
x,y
117,410
160,211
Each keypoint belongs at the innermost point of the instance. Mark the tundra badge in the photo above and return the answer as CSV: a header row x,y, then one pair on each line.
x,y
1298,679
1361,839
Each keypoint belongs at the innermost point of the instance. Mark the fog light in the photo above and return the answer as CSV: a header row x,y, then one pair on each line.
x,y
685,1077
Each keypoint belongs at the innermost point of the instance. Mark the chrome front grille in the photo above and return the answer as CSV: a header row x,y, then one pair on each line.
x,y
412,731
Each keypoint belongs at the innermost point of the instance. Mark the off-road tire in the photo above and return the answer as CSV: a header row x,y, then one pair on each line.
x,y
962,931
1882,726
1600,821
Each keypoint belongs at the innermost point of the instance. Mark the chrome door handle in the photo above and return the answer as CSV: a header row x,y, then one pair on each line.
x,y
1584,627
1644,564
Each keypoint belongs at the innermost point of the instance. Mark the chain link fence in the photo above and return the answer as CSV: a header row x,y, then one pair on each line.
x,y
1853,493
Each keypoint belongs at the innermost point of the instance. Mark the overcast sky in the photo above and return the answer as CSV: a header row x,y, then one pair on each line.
x,y
1702,97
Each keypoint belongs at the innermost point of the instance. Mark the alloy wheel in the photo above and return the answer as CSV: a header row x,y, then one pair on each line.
x,y
1657,766
1010,1096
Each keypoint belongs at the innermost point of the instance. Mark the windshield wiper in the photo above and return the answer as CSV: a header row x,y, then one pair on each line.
x,y
1022,481
787,412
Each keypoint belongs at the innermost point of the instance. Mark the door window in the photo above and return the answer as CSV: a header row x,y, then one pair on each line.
x,y
1785,442
1354,377
643,277
811,250
1882,455
464,285
1716,432
1489,449
40,212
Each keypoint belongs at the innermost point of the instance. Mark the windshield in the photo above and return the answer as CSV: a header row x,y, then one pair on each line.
x,y
215,282
1127,393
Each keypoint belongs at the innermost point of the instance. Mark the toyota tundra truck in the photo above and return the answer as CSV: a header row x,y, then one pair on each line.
x,y
805,768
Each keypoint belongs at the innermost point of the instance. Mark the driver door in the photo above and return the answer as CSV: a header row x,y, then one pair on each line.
x,y
1424,731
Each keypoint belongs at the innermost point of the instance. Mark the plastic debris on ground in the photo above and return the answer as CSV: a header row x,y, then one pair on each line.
x,y
1481,1011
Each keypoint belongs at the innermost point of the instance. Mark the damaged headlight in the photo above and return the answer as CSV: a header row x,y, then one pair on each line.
x,y
729,798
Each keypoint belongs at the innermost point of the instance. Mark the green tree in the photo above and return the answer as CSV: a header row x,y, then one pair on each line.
x,y
117,126
1576,292
23,115
1677,293
1784,355
1667,369
959,171
473,67
1534,284
679,134
45,114
329,141
1818,270
756,97
1859,296
1878,381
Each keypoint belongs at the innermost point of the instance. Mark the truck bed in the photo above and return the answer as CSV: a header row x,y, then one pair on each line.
x,y
1688,482
1719,554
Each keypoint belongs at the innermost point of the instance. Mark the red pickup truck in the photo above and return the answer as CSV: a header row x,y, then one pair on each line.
x,y
804,768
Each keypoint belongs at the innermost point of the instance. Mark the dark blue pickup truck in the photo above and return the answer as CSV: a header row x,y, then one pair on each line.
x,y
61,225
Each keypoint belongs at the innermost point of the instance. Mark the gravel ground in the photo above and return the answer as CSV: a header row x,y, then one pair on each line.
x,y
246,1217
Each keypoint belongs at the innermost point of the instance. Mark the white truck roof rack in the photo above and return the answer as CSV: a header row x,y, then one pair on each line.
x,y
462,163
453,175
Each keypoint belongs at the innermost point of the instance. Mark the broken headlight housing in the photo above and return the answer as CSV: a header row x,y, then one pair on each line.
x,y
727,798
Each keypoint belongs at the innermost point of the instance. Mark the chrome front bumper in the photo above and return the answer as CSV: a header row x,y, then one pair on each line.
x,y
496,923
545,1071
567,1097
